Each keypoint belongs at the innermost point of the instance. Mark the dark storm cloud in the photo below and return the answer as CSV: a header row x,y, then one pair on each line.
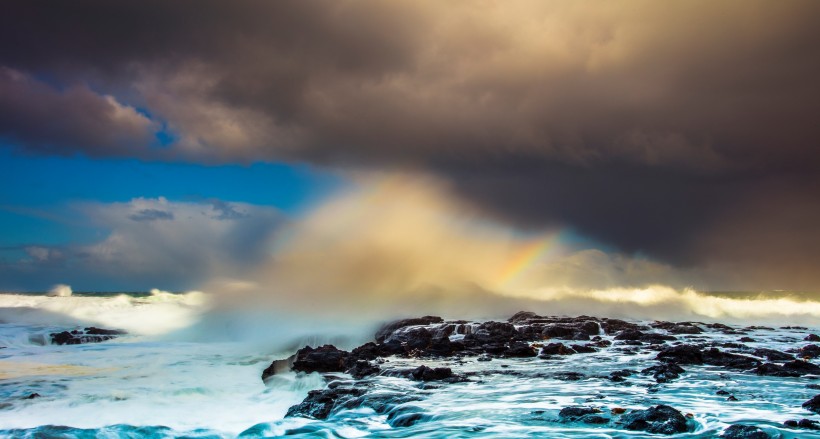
x,y
648,125
46,119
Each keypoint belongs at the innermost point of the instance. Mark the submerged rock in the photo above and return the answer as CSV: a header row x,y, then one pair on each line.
x,y
664,372
406,416
806,424
813,404
587,415
87,335
772,355
744,432
319,404
661,419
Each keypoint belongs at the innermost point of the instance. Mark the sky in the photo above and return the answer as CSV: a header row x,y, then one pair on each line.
x,y
520,147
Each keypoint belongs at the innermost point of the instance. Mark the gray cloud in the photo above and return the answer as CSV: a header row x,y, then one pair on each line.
x,y
151,215
46,119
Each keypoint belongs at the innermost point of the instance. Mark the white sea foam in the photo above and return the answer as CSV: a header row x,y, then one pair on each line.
x,y
60,290
159,313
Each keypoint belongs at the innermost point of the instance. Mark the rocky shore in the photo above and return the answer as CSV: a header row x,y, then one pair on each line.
x,y
435,353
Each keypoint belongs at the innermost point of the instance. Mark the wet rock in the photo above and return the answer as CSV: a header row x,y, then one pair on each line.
x,y
661,419
744,432
774,370
87,335
386,330
746,340
325,358
583,349
620,375
569,376
613,326
812,337
519,350
802,367
809,351
629,334
813,404
731,398
406,416
587,415
772,355
381,402
523,317
806,424
565,332
33,396
716,357
424,373
556,349
363,368
368,352
678,328
759,328
681,354
664,372
319,404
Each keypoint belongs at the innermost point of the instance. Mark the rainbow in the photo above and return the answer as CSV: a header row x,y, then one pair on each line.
x,y
523,259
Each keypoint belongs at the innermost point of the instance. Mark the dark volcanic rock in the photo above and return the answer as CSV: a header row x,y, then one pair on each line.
x,y
806,424
802,367
587,415
813,404
406,416
320,403
772,355
716,357
523,317
682,354
678,328
812,337
368,351
322,359
363,368
583,349
424,373
664,372
613,326
520,350
556,349
744,432
389,328
87,335
809,351
689,354
650,337
774,370
661,419
620,375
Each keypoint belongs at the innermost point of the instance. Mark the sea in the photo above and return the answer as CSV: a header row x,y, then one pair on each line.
x,y
183,371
